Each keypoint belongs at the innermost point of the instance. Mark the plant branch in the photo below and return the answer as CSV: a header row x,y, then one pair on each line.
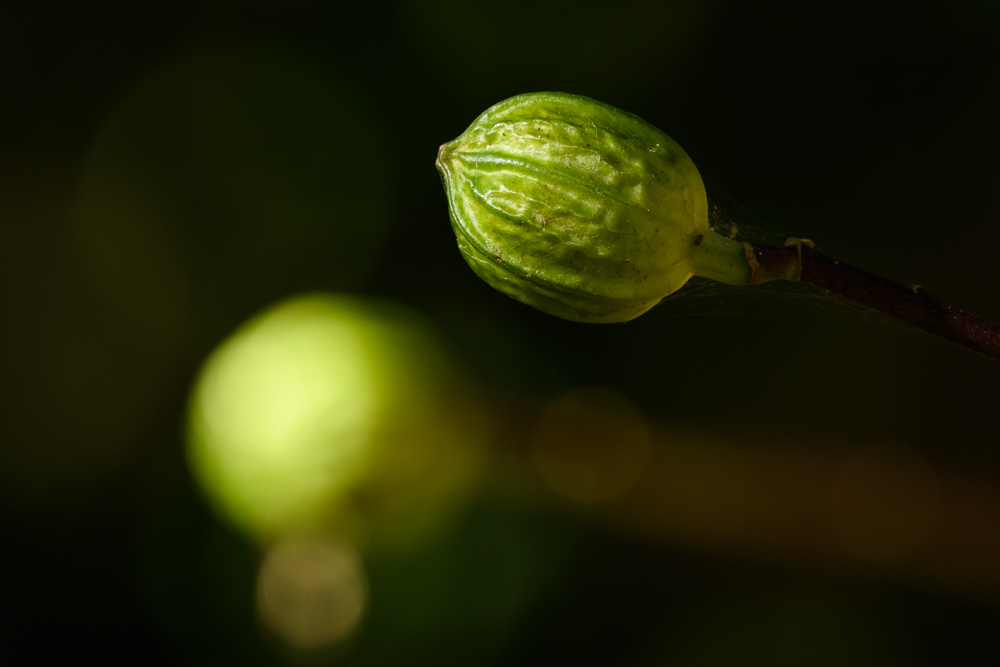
x,y
798,260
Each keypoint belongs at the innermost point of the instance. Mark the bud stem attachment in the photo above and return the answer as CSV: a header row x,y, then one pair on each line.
x,y
721,259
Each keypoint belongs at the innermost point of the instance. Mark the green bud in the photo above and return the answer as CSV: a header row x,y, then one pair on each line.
x,y
580,209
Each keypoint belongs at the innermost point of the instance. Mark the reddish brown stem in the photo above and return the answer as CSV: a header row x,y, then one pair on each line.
x,y
912,305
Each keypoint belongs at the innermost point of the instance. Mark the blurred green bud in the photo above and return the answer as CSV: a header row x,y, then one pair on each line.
x,y
335,413
580,209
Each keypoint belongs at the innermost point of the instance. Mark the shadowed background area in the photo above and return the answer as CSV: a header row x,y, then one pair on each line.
x,y
257,410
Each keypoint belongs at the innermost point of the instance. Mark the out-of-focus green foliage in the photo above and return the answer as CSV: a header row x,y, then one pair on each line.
x,y
231,174
331,413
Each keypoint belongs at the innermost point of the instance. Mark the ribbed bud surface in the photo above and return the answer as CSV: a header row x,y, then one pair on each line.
x,y
574,207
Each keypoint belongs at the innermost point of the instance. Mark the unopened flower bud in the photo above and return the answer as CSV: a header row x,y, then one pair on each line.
x,y
580,209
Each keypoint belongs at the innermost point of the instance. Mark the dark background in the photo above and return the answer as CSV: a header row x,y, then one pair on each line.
x,y
169,169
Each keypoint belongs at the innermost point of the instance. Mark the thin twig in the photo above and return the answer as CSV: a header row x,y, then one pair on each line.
x,y
913,305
